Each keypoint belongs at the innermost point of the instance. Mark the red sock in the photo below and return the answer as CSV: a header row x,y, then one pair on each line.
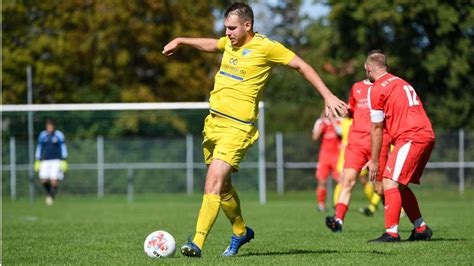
x,y
341,210
410,204
321,195
393,204
420,229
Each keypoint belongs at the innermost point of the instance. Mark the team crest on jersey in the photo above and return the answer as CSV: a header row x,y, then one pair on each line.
x,y
246,52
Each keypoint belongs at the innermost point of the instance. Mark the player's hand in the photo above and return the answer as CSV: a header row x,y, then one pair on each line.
x,y
171,47
373,169
335,107
63,165
37,165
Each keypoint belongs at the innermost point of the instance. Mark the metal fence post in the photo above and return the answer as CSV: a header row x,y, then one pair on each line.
x,y
189,165
100,166
279,163
12,168
262,179
461,161
31,157
130,184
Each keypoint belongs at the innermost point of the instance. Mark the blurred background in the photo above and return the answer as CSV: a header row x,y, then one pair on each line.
x,y
109,51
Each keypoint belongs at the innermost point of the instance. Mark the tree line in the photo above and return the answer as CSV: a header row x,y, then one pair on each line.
x,y
110,51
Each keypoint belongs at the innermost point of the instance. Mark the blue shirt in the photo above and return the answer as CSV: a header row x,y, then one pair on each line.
x,y
51,146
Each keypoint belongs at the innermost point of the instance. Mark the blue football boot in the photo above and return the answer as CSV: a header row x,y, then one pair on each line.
x,y
236,242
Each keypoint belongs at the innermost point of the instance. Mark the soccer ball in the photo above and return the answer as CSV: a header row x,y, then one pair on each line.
x,y
160,244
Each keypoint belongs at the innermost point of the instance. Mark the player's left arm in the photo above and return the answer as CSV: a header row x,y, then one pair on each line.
x,y
318,129
334,106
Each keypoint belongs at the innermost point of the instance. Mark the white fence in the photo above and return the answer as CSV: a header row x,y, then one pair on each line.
x,y
280,165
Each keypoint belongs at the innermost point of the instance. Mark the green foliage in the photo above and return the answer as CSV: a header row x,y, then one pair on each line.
x,y
105,51
429,43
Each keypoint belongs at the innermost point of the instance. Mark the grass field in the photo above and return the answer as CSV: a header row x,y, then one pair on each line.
x,y
110,231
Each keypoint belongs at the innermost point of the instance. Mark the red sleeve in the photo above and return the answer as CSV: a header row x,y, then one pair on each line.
x,y
376,98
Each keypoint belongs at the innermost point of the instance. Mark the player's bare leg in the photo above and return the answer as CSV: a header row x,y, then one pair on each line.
x,y
348,182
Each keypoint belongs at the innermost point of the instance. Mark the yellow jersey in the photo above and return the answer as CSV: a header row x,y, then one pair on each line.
x,y
244,71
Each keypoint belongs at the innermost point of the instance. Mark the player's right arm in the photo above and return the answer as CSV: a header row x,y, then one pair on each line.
x,y
202,44
39,147
334,106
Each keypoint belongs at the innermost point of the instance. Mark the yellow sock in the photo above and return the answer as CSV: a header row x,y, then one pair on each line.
x,y
337,191
374,202
369,190
230,204
207,216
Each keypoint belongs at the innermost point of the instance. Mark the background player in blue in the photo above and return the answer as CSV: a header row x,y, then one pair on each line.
x,y
51,155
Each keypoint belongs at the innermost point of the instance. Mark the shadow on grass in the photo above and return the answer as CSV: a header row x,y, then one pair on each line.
x,y
300,251
440,239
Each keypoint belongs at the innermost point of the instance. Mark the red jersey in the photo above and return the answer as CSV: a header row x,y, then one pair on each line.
x,y
404,115
359,133
330,139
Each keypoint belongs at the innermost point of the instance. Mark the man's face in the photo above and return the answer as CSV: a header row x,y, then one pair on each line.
x,y
50,128
368,72
236,30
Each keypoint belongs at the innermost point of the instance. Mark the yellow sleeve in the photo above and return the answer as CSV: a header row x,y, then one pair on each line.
x,y
221,43
280,54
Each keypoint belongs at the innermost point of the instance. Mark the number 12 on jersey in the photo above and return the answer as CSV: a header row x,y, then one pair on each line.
x,y
411,95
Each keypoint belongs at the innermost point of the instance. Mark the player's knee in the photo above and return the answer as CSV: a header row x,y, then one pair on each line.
x,y
322,182
348,183
379,190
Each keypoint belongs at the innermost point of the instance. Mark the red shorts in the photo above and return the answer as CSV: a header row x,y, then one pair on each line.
x,y
407,161
357,156
326,166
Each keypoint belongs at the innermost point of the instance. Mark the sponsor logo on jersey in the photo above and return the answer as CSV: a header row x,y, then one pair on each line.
x,y
233,61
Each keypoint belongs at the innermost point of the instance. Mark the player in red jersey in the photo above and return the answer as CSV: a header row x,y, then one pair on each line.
x,y
358,152
329,131
395,106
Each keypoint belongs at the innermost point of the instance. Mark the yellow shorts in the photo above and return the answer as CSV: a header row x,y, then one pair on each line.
x,y
226,140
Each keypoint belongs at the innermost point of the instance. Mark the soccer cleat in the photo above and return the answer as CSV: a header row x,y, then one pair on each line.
x,y
424,235
366,211
385,238
236,242
333,224
49,201
191,250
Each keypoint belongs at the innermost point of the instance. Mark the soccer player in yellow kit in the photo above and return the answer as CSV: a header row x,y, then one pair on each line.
x,y
229,129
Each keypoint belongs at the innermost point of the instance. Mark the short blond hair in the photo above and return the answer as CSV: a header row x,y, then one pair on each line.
x,y
377,59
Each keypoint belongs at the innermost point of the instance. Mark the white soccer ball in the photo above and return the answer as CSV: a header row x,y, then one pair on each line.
x,y
160,244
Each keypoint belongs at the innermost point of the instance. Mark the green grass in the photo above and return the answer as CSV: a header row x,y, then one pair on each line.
x,y
110,231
